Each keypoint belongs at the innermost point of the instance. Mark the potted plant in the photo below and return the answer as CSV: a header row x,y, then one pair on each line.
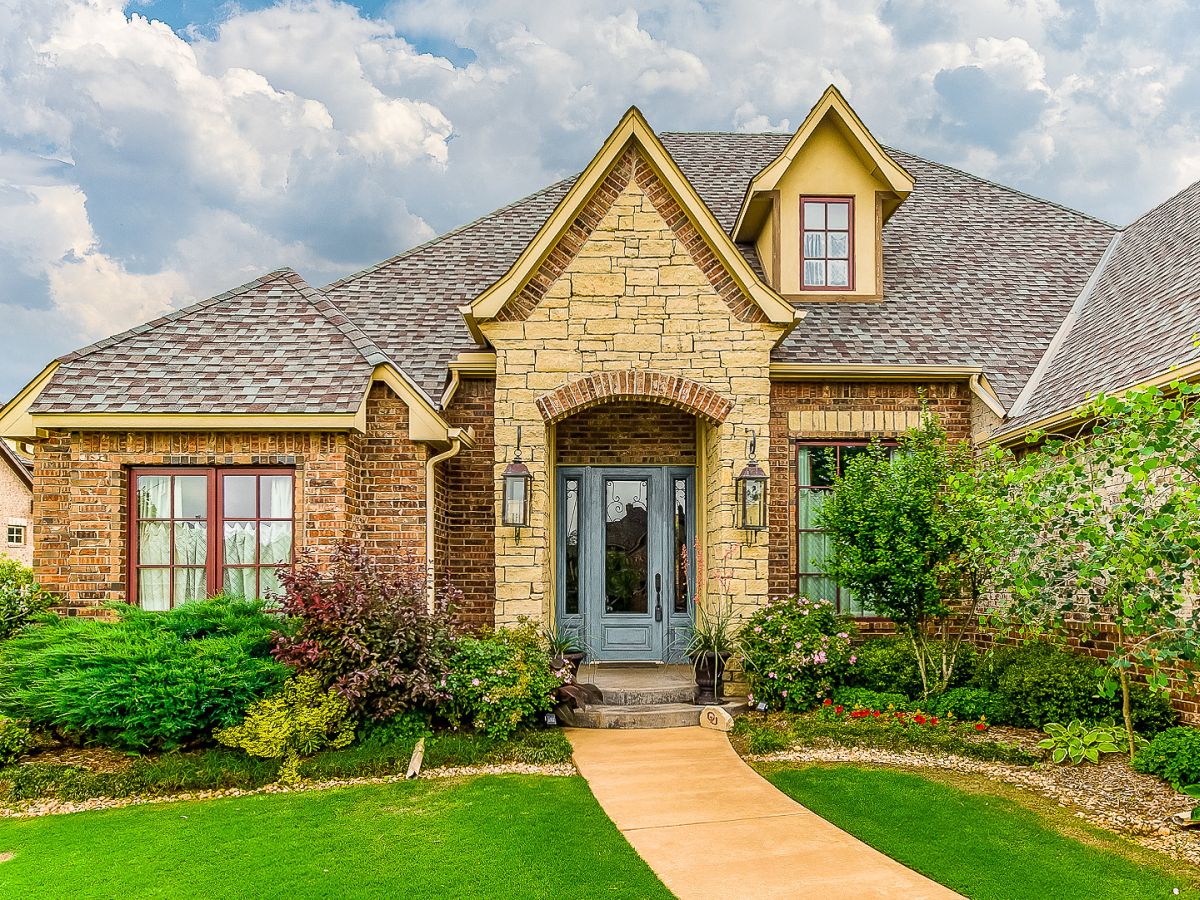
x,y
565,649
714,640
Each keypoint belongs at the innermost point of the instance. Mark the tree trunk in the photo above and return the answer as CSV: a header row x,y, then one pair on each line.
x,y
1126,713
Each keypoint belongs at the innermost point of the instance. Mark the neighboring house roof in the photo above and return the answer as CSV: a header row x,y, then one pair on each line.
x,y
273,345
1140,317
18,463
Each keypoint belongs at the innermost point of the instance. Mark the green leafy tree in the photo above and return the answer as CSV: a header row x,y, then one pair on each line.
x,y
1101,530
907,540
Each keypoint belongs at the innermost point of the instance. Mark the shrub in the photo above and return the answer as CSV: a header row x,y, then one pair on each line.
x,y
21,598
794,651
298,721
403,728
1173,755
890,665
1151,711
850,697
972,703
498,680
148,680
14,741
368,635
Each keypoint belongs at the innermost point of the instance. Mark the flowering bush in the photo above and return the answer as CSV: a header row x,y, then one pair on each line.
x,y
499,680
794,651
900,718
369,635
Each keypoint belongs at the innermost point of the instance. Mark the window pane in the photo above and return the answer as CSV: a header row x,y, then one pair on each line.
x,y
823,461
154,496
814,244
269,584
276,491
814,550
839,273
240,583
814,215
191,496
839,245
275,542
571,575
191,543
818,587
154,589
838,215
190,584
682,561
627,555
154,543
849,453
853,606
239,496
240,540
814,273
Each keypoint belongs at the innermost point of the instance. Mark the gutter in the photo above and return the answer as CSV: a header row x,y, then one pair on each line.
x,y
456,444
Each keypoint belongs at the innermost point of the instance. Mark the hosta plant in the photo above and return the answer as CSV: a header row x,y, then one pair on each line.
x,y
1076,742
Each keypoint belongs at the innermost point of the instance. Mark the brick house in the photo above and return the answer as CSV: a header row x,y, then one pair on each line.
x,y
635,337
16,504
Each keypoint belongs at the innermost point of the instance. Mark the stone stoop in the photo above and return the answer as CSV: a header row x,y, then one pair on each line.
x,y
639,697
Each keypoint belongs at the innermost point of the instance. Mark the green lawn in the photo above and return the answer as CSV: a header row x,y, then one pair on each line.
x,y
981,839
489,836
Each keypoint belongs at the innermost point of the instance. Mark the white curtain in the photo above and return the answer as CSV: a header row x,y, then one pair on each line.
x,y
191,556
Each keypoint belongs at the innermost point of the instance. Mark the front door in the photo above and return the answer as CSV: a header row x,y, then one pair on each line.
x,y
625,548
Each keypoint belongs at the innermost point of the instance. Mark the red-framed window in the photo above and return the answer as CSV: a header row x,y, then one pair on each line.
x,y
816,465
827,243
195,532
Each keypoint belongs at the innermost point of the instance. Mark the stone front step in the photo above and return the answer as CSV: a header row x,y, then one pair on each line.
x,y
655,715
657,695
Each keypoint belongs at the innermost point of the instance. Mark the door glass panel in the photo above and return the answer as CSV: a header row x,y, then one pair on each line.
x,y
680,504
626,551
571,573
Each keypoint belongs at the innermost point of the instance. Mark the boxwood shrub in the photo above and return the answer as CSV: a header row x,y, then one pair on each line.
x,y
1173,755
890,665
148,680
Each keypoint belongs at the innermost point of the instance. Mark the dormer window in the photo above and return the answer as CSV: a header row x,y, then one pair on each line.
x,y
827,249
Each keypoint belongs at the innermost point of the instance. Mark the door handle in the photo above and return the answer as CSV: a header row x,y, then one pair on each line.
x,y
658,597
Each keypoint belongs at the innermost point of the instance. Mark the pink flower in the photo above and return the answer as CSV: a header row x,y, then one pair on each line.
x,y
804,612
772,675
784,693
758,629
843,635
797,645
853,660
475,682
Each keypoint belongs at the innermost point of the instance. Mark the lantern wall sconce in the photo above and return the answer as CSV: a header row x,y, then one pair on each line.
x,y
518,491
751,490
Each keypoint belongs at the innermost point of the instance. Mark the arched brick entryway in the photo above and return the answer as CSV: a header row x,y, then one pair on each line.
x,y
630,384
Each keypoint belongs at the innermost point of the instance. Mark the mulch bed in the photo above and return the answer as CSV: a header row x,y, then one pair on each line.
x,y
1110,794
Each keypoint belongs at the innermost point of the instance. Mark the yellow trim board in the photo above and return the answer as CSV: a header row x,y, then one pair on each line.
x,y
471,362
16,423
425,424
197,421
869,150
632,129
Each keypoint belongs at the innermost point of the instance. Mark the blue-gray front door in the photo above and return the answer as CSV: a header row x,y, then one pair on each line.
x,y
625,558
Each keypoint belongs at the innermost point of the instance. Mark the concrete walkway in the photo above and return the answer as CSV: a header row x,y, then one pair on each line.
x,y
710,826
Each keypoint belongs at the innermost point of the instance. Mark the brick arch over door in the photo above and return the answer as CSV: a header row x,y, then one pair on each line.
x,y
631,384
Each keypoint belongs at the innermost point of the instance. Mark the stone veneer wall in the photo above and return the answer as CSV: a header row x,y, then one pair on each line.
x,y
630,287
469,564
81,488
627,433
842,411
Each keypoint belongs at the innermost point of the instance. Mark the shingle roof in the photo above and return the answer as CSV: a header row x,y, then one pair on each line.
x,y
1140,318
273,345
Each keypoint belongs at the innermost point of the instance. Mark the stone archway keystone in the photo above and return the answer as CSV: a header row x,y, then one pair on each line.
x,y
633,384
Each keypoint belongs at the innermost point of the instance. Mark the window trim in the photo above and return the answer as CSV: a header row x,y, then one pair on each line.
x,y
826,288
24,529
215,558
818,443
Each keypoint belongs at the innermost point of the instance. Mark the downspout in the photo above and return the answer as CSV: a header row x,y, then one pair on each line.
x,y
455,435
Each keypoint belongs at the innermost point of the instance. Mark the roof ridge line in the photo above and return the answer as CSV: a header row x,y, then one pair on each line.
x,y
174,315
453,232
1064,329
1005,187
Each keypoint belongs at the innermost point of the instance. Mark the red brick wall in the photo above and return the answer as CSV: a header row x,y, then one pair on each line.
x,y
629,433
951,401
81,497
470,506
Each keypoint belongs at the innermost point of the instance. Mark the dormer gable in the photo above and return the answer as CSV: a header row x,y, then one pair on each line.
x,y
816,212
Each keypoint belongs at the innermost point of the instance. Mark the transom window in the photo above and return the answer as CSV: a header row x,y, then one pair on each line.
x,y
816,465
16,535
198,532
827,248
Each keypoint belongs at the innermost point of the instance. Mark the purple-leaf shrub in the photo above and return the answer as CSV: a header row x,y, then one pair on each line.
x,y
367,634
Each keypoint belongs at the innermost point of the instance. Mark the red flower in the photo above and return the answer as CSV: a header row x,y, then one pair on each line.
x,y
827,702
838,710
920,719
875,714
933,721
980,726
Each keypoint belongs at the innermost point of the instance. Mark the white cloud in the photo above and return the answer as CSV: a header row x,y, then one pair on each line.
x,y
306,134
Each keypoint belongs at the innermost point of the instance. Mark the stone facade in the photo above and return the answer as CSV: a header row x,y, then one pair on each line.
x,y
16,509
631,289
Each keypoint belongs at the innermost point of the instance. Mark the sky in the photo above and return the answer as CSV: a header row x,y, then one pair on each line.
x,y
156,152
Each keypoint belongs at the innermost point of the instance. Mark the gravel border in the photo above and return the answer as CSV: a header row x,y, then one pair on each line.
x,y
1109,794
43,806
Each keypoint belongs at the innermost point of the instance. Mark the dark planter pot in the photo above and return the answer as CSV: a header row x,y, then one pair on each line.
x,y
709,674
571,660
